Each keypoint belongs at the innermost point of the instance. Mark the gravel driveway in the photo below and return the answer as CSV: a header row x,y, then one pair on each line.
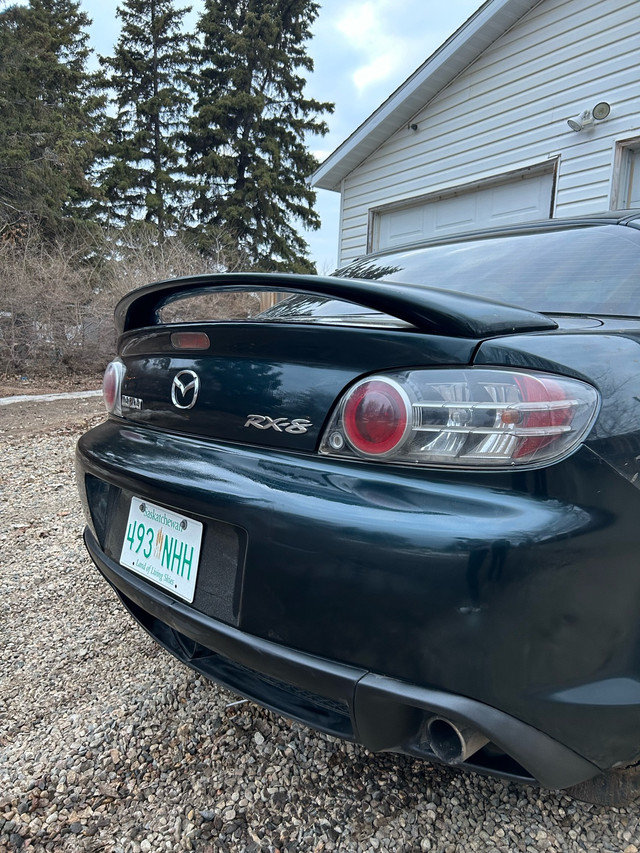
x,y
107,744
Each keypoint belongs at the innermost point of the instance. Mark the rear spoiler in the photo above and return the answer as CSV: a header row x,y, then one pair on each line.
x,y
439,312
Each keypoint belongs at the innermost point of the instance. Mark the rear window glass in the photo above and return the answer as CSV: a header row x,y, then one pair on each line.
x,y
303,308
593,269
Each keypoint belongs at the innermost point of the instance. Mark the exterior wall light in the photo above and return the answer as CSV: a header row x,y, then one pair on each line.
x,y
588,118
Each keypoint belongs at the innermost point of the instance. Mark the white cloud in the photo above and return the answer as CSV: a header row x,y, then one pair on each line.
x,y
321,153
388,39
365,26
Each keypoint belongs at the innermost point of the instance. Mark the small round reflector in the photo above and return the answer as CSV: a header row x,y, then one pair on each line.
x,y
377,415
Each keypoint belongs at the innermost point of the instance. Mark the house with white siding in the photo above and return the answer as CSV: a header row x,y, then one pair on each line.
x,y
530,110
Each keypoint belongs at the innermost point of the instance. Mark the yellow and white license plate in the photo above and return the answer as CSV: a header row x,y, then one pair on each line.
x,y
163,547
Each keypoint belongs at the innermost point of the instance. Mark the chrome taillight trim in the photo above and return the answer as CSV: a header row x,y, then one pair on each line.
x,y
520,407
517,431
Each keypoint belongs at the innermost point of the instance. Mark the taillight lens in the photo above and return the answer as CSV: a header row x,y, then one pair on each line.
x,y
112,387
377,416
475,418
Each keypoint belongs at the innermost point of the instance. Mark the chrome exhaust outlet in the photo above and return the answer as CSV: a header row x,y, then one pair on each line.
x,y
453,743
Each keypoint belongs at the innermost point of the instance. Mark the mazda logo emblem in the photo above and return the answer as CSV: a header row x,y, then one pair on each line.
x,y
185,389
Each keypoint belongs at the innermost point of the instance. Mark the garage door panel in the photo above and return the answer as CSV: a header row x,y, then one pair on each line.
x,y
454,214
400,227
520,199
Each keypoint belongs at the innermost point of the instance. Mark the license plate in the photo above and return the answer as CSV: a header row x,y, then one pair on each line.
x,y
163,547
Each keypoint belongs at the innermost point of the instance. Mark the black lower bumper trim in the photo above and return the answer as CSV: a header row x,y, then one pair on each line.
x,y
378,697
380,713
326,714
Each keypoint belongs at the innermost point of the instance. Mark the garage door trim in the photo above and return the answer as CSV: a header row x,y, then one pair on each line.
x,y
547,167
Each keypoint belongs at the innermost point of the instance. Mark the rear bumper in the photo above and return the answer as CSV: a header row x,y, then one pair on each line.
x,y
378,712
390,594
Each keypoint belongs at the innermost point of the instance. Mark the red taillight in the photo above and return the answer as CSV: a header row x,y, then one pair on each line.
x,y
111,384
471,417
376,416
552,412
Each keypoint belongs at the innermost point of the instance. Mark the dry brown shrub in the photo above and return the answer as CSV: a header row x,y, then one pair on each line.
x,y
45,290
140,260
137,258
57,301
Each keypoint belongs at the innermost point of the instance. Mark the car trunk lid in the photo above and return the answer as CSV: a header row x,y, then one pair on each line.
x,y
274,379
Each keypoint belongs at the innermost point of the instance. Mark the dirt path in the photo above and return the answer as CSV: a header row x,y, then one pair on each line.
x,y
34,415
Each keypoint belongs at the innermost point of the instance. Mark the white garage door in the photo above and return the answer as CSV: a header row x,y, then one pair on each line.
x,y
520,199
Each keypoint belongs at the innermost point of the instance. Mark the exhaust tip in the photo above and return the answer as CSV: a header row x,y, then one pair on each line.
x,y
452,743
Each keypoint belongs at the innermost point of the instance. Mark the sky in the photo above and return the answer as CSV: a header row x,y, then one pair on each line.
x,y
362,51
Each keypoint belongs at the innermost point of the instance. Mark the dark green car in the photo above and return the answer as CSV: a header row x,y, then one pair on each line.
x,y
401,505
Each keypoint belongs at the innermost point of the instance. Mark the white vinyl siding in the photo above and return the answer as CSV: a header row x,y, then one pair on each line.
x,y
509,111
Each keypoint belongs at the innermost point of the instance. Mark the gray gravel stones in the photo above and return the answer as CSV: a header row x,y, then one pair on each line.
x,y
107,744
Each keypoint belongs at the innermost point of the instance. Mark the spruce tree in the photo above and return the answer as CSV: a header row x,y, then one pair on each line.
x,y
246,147
50,114
144,173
